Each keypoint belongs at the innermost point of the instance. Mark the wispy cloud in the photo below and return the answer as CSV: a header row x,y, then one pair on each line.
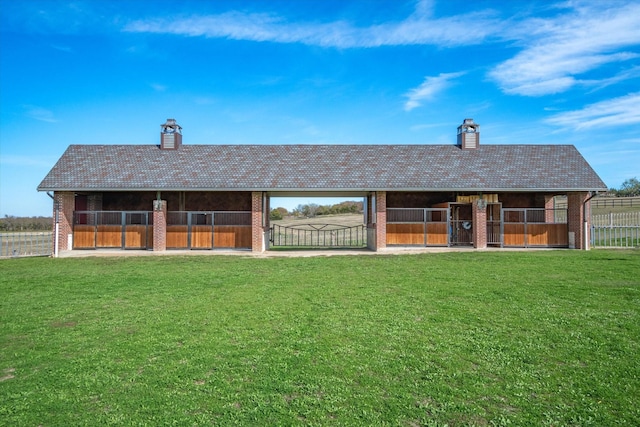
x,y
158,87
419,28
26,161
61,48
613,112
39,113
559,50
429,88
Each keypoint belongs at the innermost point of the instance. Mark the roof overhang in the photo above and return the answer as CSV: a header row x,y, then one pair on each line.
x,y
332,192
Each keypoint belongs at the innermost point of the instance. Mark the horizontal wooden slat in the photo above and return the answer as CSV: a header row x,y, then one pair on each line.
x,y
84,236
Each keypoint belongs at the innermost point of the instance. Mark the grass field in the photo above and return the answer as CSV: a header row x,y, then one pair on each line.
x,y
546,338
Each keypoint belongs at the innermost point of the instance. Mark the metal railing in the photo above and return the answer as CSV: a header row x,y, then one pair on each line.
x,y
209,218
616,219
19,244
615,236
113,218
319,235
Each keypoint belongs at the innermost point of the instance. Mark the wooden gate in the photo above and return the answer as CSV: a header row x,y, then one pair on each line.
x,y
417,227
208,230
535,227
112,229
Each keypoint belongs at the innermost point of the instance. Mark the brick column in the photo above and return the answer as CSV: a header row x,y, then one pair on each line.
x,y
94,202
479,217
576,218
65,203
257,230
549,206
381,220
159,225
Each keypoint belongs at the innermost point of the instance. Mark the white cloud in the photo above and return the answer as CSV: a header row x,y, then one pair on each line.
x,y
429,88
613,112
62,48
39,113
561,49
419,28
158,87
26,161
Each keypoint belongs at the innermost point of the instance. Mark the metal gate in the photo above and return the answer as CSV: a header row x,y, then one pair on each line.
x,y
535,227
318,236
112,229
208,230
418,226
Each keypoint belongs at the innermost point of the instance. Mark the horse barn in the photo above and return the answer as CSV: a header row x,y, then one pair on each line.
x,y
183,196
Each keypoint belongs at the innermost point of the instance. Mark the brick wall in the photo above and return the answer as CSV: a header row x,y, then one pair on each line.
x,y
479,217
159,226
94,202
575,216
381,220
65,203
549,206
257,230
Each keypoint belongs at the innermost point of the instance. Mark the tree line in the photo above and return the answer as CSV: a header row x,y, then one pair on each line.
x,y
34,223
312,210
629,188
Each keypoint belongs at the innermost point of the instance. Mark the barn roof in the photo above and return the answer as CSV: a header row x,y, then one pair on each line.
x,y
322,168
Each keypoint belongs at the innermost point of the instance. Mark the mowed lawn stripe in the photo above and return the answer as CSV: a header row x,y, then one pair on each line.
x,y
491,338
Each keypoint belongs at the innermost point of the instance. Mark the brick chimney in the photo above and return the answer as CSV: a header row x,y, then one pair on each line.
x,y
468,135
170,135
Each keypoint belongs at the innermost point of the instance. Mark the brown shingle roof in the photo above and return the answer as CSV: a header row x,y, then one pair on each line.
x,y
322,168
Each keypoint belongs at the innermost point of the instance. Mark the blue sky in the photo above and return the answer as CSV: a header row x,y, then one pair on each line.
x,y
310,72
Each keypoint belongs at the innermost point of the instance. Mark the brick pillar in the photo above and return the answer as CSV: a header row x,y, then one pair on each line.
x,y
65,204
381,220
257,229
576,218
159,225
479,217
94,202
549,206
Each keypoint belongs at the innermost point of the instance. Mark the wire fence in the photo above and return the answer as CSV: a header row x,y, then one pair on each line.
x,y
21,244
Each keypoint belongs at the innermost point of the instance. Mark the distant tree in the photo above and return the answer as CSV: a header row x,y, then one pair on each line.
x,y
298,210
35,223
631,187
311,210
275,215
278,213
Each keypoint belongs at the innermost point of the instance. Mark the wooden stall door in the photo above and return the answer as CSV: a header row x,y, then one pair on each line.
x,y
84,236
514,235
109,236
437,233
405,234
135,237
177,236
232,236
201,237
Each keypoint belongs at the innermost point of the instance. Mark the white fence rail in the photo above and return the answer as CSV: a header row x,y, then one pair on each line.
x,y
616,230
20,244
616,219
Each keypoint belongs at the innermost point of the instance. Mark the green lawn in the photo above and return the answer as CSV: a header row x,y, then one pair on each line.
x,y
545,338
